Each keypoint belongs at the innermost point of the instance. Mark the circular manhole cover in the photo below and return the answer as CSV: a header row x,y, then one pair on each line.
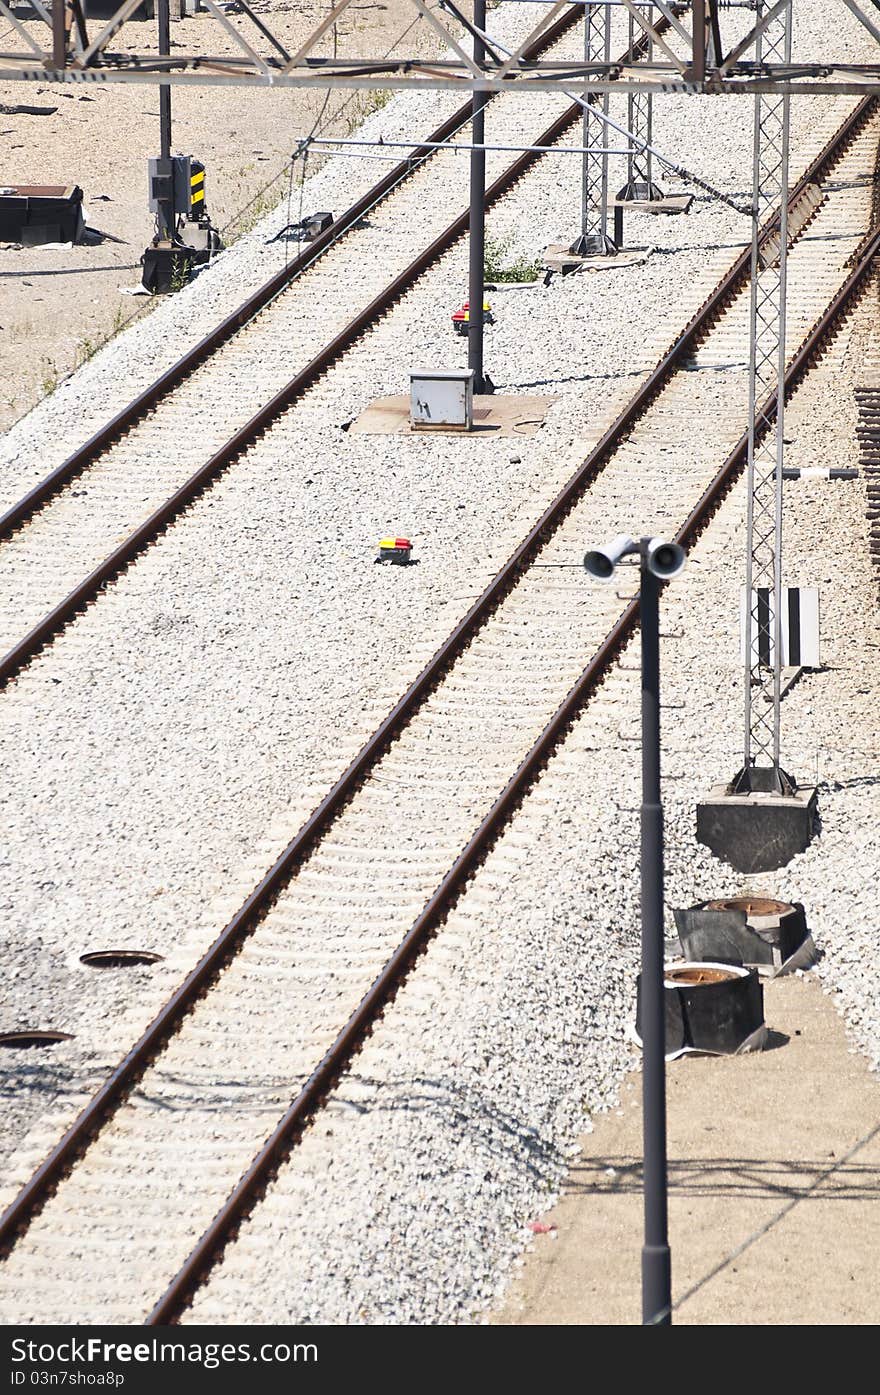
x,y
29,1039
119,958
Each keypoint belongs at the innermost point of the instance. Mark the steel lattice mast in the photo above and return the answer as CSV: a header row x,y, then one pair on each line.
x,y
595,239
639,182
761,763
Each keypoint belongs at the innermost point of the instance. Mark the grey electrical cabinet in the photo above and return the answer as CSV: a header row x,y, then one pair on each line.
x,y
170,179
444,400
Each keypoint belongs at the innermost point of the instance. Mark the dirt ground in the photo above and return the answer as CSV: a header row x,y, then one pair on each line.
x,y
774,1161
56,307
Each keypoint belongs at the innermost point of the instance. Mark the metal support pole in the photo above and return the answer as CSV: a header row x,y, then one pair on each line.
x,y
717,48
595,239
166,206
697,72
640,119
761,769
59,33
656,1264
77,16
476,287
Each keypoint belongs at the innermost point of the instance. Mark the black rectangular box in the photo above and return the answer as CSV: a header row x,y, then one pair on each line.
x,y
37,213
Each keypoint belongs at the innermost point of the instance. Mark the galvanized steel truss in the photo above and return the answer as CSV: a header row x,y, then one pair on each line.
x,y
763,649
60,46
595,238
639,164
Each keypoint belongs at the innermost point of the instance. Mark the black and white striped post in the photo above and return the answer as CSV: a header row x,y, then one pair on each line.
x,y
798,627
818,472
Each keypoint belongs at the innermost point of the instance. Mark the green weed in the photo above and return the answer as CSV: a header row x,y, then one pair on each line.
x,y
85,350
373,100
49,379
498,268
247,220
180,276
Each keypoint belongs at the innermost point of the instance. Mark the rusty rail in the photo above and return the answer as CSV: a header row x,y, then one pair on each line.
x,y
88,589
32,1196
272,1154
80,460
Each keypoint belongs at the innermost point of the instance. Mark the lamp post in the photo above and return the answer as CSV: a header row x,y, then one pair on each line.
x,y
658,561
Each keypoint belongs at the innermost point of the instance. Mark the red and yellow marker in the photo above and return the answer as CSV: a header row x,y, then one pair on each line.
x,y
461,318
394,550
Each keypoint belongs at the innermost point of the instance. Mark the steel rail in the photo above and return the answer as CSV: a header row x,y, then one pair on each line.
x,y
126,1074
25,1205
339,1056
109,569
86,454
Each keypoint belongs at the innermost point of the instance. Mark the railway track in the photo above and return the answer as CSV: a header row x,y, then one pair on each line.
x,y
330,932
75,531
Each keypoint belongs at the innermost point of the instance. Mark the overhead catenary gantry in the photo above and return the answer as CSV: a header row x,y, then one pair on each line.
x,y
477,222
62,45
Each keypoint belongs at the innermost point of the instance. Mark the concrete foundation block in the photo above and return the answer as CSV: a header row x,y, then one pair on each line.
x,y
756,832
756,931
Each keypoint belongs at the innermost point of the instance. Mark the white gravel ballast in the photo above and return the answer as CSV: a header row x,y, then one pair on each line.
x,y
164,750
410,1198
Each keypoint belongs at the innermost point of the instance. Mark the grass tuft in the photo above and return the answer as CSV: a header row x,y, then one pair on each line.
x,y
498,267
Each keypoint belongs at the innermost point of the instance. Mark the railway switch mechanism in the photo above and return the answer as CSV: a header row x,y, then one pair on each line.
x,y
185,236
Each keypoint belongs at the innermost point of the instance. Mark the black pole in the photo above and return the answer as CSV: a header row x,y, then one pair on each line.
x,y
656,1269
697,71
166,206
476,289
59,34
